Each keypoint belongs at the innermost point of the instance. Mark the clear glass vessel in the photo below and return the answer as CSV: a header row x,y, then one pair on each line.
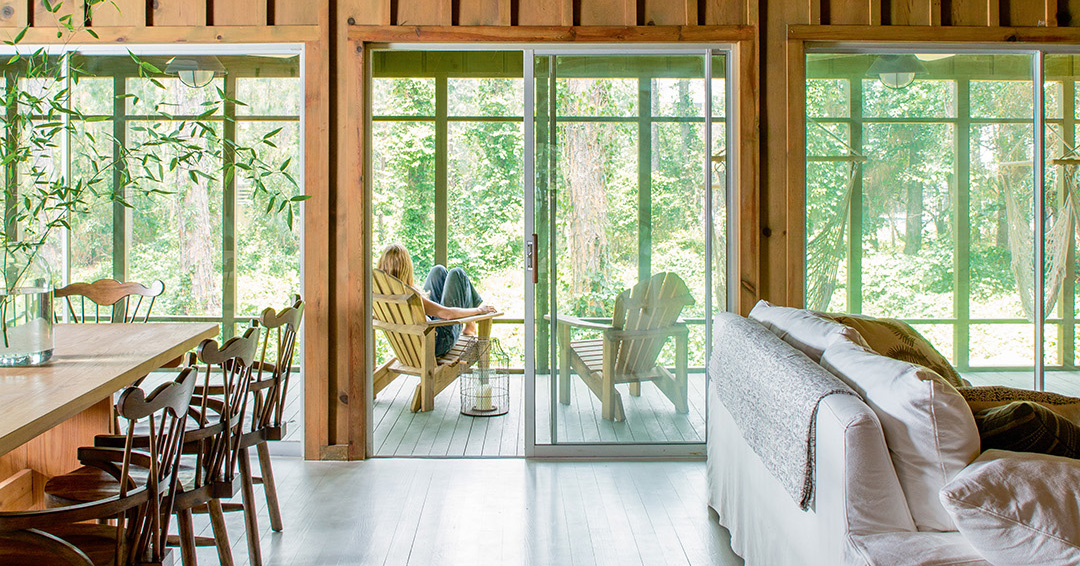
x,y
26,307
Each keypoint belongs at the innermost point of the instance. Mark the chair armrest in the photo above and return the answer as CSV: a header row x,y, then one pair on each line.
x,y
675,330
474,318
580,323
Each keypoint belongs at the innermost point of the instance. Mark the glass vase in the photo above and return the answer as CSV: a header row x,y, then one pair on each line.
x,y
26,307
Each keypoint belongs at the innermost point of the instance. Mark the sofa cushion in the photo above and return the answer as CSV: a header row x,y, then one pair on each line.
x,y
989,396
898,340
1024,426
808,332
928,427
1018,508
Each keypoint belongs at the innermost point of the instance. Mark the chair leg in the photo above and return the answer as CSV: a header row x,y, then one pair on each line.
x,y
187,537
221,534
251,522
635,388
269,486
564,364
681,371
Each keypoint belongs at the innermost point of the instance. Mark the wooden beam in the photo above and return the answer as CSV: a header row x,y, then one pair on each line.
x,y
796,173
354,208
316,212
178,13
546,13
670,12
240,12
14,13
943,35
1028,13
76,9
426,13
541,34
291,13
483,13
608,13
748,125
119,13
914,12
179,35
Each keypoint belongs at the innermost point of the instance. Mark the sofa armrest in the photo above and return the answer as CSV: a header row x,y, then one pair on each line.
x,y
856,490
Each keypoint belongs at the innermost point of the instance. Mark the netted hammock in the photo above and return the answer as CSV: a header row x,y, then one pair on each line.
x,y
1056,247
827,247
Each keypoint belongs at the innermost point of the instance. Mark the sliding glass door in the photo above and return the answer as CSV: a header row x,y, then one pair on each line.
x,y
941,190
628,237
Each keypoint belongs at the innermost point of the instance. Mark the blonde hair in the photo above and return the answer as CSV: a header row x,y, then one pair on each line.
x,y
397,262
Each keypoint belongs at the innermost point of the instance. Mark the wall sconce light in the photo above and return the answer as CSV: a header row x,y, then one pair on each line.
x,y
196,72
896,71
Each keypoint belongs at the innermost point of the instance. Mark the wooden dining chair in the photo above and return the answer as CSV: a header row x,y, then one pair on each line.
x,y
211,447
145,479
124,302
269,389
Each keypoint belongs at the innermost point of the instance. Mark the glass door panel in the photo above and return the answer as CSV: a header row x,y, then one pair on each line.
x,y
623,200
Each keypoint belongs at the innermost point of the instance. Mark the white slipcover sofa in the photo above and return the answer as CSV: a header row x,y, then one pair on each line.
x,y
859,515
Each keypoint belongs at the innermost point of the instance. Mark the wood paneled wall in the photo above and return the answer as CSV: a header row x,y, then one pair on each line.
x,y
770,93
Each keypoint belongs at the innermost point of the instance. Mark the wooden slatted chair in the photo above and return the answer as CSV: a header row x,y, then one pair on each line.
x,y
268,389
125,302
399,314
140,504
645,317
211,449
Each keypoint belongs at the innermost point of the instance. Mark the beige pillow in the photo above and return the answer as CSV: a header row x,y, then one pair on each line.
x,y
928,427
806,331
899,341
990,396
1018,508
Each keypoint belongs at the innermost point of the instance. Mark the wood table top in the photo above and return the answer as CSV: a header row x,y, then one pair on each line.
x,y
90,362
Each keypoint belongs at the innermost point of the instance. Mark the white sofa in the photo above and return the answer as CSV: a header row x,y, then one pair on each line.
x,y
859,515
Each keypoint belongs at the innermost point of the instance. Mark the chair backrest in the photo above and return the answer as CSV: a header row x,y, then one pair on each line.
x,y
220,406
124,302
270,383
166,411
650,305
398,311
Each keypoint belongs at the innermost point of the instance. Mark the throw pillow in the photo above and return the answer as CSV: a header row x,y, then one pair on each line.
x,y
806,331
1017,508
986,397
899,341
1024,426
928,427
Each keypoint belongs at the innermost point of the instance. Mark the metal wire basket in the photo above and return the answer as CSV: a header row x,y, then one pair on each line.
x,y
485,386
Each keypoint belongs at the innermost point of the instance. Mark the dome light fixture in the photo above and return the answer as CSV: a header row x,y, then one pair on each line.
x,y
897,71
195,72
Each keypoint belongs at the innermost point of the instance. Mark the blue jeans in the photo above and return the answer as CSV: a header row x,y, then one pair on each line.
x,y
450,288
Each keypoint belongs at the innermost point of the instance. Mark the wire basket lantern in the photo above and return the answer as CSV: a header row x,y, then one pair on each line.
x,y
485,386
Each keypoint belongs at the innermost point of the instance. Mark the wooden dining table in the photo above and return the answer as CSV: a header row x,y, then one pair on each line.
x,y
48,411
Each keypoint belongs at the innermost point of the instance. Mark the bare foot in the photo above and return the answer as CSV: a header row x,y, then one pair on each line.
x,y
470,328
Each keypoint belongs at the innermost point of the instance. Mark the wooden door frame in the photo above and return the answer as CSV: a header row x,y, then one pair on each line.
x,y
354,357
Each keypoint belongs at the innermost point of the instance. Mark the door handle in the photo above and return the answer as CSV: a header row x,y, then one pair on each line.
x,y
533,258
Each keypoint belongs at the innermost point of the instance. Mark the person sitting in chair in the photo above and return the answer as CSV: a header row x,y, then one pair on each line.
x,y
447,295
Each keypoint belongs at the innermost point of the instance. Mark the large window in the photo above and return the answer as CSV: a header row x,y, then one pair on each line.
x,y
222,256
921,203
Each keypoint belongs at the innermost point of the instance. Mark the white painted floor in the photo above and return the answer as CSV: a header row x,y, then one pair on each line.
x,y
476,512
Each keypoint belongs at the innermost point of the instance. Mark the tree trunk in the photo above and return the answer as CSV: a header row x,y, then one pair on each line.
x,y
913,224
587,210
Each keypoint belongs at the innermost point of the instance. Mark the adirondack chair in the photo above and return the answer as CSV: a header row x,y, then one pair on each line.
x,y
644,318
399,313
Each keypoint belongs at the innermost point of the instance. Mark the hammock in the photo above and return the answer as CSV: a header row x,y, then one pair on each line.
x,y
825,250
1055,249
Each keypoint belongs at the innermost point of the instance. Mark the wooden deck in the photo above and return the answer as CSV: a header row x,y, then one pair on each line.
x,y
445,431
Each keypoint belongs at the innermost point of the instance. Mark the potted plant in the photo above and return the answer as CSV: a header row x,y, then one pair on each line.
x,y
40,197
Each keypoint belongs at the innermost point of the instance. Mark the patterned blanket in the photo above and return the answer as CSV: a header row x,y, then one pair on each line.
x,y
772,391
